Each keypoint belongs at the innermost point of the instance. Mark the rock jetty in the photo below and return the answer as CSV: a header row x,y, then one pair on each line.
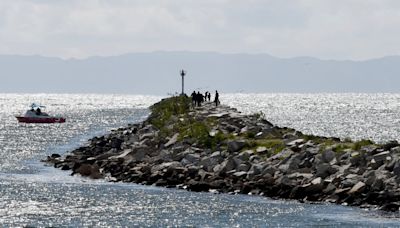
x,y
219,149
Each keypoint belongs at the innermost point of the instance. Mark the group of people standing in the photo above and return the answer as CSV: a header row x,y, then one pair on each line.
x,y
198,98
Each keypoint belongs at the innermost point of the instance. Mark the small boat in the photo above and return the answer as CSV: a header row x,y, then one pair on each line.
x,y
36,115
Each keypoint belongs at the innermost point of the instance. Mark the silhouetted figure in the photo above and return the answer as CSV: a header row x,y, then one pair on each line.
x,y
216,100
194,103
207,96
38,111
199,99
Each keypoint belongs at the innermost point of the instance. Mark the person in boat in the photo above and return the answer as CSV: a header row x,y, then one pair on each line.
x,y
38,111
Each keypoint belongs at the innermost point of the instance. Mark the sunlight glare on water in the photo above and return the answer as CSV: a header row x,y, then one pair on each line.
x,y
32,194
347,115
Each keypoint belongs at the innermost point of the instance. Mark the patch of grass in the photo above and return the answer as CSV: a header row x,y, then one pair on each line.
x,y
200,132
274,146
162,111
359,144
340,148
250,135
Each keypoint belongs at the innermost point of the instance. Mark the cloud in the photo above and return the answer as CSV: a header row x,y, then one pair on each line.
x,y
339,29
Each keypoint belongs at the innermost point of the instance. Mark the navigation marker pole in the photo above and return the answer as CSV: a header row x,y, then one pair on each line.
x,y
183,73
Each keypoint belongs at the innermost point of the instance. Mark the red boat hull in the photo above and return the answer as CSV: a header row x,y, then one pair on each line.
x,y
23,119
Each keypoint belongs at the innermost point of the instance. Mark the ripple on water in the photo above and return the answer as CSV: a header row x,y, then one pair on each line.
x,y
34,195
346,115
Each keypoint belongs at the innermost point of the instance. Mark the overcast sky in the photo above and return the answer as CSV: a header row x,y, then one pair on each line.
x,y
327,29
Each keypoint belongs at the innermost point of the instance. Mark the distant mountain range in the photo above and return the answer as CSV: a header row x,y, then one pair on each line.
x,y
158,73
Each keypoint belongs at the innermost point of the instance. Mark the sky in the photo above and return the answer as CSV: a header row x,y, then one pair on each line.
x,y
325,29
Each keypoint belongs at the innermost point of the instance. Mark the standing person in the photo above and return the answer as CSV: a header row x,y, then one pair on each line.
x,y
209,96
216,100
193,99
199,98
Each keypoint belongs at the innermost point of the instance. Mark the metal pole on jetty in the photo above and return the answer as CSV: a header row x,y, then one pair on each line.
x,y
183,73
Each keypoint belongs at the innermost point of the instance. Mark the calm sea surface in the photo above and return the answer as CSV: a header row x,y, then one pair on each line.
x,y
32,194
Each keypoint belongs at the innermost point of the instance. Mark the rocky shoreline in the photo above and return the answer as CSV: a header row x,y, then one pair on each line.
x,y
218,149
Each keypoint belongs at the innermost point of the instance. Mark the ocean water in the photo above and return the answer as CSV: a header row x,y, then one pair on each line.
x,y
345,115
32,194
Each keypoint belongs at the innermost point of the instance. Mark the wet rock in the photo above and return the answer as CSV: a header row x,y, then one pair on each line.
x,y
393,207
55,156
88,170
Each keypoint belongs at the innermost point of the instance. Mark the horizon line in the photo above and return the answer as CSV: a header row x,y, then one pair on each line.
x,y
199,52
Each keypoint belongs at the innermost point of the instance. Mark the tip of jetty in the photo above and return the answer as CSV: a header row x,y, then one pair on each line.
x,y
219,149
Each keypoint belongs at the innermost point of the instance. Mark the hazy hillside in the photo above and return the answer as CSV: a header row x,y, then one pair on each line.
x,y
158,73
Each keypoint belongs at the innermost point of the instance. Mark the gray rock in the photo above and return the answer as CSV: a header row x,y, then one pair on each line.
x,y
357,188
186,162
172,141
328,156
88,170
234,146
317,180
216,154
193,158
243,167
146,136
209,163
285,153
269,170
256,169
227,165
395,150
165,165
324,170
240,174
396,168
245,155
255,158
295,142
381,156
262,149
